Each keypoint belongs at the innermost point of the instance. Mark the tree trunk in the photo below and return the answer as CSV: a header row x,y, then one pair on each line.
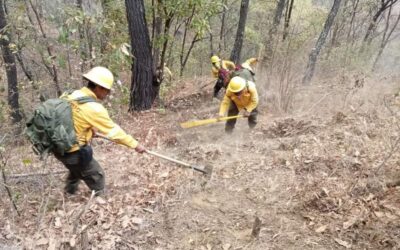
x,y
182,57
144,86
269,44
288,15
351,24
11,69
384,5
156,37
84,54
237,47
221,43
321,41
185,58
167,26
52,69
333,40
386,37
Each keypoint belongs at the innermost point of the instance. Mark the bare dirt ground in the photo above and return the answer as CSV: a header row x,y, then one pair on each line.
x,y
313,179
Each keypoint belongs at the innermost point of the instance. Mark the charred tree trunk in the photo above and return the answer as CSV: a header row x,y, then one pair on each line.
x,y
269,44
11,68
144,85
321,41
237,47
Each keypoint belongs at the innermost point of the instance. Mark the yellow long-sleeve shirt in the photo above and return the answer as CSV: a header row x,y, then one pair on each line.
x,y
224,64
93,115
247,100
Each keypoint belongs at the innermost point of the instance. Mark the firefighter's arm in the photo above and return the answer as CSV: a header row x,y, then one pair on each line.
x,y
253,100
251,61
230,65
214,72
224,105
102,122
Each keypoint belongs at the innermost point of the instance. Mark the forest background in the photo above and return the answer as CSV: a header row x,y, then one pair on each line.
x,y
328,72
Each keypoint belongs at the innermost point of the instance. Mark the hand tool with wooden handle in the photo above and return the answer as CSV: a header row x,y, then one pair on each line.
x,y
207,170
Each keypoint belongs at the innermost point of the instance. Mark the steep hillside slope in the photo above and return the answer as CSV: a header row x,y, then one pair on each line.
x,y
315,179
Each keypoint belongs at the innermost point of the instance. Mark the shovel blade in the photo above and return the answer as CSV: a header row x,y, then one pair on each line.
x,y
191,124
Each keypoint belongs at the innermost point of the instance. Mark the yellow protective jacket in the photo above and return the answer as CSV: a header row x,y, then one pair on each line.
x,y
228,65
93,115
247,100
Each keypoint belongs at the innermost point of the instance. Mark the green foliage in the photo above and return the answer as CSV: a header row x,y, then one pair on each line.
x,y
106,32
16,196
26,162
62,62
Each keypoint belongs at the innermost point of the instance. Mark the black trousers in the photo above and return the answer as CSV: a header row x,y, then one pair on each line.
x,y
219,84
233,110
82,168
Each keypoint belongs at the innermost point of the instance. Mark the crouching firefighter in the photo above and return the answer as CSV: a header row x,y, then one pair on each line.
x,y
90,116
241,95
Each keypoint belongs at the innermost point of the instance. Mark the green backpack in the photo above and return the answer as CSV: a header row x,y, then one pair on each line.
x,y
51,128
243,73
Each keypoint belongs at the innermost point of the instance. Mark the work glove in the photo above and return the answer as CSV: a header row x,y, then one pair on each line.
x,y
246,113
220,116
140,149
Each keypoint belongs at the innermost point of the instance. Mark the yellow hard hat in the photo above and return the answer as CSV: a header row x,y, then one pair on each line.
x,y
215,59
100,76
236,84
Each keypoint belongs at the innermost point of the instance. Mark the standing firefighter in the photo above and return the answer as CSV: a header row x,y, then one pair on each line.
x,y
221,70
241,94
89,117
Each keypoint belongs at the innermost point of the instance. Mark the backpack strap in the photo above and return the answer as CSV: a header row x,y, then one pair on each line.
x,y
84,99
79,100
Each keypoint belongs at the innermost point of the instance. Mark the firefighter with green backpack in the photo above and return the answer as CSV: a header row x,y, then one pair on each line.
x,y
65,127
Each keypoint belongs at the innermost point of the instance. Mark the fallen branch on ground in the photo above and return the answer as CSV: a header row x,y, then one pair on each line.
x,y
16,176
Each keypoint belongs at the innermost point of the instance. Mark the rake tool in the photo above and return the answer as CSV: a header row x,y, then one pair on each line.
x,y
206,170
191,124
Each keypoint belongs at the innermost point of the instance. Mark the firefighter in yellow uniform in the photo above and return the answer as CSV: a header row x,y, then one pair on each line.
x,y
241,95
88,117
220,70
246,70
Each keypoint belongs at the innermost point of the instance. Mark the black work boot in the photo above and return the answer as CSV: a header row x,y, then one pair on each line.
x,y
71,187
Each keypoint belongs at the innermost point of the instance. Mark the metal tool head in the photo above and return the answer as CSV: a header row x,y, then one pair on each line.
x,y
208,171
